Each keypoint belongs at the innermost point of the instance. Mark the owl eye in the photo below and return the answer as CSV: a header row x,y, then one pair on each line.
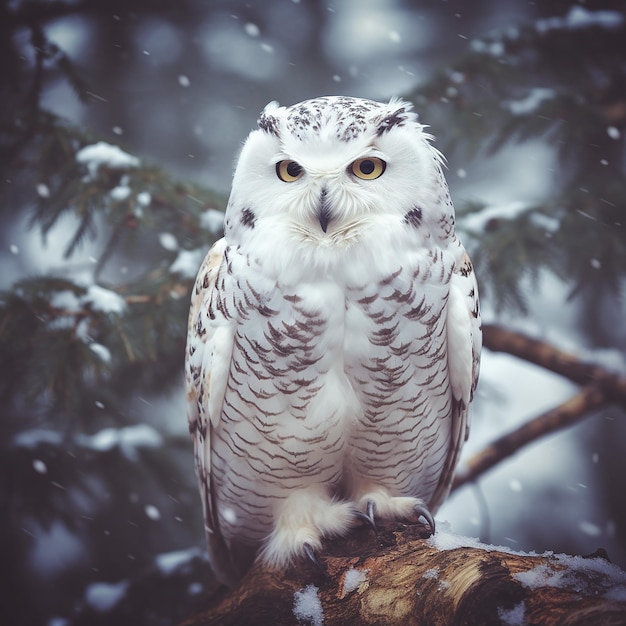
x,y
368,168
288,171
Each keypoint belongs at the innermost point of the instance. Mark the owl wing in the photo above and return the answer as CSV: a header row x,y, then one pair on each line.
x,y
209,351
464,336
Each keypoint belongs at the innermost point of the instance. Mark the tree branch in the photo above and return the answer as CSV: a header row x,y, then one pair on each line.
x,y
566,414
601,387
397,577
541,353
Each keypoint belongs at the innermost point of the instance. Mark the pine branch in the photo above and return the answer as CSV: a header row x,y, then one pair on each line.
x,y
539,81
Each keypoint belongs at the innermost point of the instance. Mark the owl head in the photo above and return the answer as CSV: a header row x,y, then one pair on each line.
x,y
333,172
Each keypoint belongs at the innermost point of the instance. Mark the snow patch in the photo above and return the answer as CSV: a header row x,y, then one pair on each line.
x,y
577,573
168,241
121,192
531,102
307,606
32,439
144,198
103,597
443,540
128,439
104,154
578,18
188,262
353,579
431,574
549,224
105,300
478,221
212,220
514,616
102,352
493,48
65,300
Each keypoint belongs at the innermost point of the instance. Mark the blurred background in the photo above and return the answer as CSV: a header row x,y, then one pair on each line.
x,y
120,123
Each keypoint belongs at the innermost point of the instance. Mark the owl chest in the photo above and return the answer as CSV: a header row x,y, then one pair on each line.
x,y
326,352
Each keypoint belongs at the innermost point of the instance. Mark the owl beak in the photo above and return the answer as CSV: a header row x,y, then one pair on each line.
x,y
323,212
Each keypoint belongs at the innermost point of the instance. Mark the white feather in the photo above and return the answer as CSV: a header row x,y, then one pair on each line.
x,y
459,345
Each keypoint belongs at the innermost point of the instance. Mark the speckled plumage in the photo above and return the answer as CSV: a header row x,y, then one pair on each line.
x,y
334,334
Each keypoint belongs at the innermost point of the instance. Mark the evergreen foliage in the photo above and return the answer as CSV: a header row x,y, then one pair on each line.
x,y
77,346
561,79
122,203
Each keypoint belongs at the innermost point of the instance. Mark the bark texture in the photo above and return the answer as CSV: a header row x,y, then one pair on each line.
x,y
403,578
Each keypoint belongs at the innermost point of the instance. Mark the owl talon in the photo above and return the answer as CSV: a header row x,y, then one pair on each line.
x,y
311,555
422,511
368,517
371,508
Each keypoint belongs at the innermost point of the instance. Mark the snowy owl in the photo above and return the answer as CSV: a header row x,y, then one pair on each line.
x,y
334,335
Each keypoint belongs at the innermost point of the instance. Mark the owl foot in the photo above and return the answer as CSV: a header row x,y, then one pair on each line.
x,y
311,555
422,511
380,504
368,517
301,521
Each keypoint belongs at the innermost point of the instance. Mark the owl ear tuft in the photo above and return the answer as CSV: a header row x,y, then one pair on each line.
x,y
268,122
398,114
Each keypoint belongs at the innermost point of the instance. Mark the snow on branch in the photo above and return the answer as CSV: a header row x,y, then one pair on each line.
x,y
407,579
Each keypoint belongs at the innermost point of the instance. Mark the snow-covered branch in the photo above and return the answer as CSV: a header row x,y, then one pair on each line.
x,y
397,577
